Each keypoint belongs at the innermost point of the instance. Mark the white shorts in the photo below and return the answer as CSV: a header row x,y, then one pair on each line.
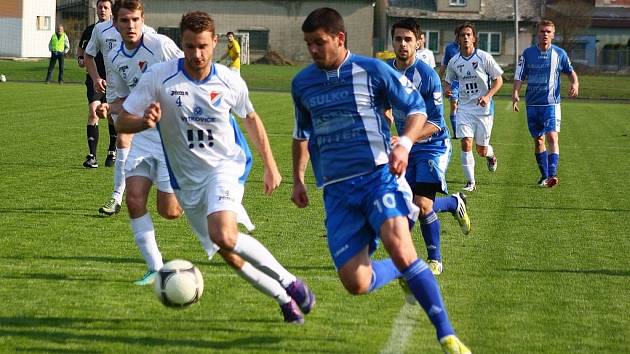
x,y
147,160
474,126
222,192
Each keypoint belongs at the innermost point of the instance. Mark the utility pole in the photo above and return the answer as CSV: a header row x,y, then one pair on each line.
x,y
516,31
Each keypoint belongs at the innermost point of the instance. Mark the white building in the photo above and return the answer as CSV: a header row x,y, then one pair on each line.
x,y
26,27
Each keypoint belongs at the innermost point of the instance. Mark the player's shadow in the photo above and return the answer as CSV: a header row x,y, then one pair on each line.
x,y
608,272
43,210
63,330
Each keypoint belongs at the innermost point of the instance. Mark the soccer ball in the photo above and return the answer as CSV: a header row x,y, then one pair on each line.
x,y
3,78
178,284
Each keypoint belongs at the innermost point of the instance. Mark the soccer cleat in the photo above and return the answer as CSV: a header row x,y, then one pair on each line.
x,y
111,159
492,163
542,182
302,295
435,266
470,187
110,208
90,161
452,345
552,181
147,278
461,214
411,300
291,313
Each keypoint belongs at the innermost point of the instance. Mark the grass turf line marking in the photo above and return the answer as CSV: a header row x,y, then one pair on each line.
x,y
402,328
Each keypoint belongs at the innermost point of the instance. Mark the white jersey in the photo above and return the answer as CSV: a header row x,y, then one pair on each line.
x,y
128,66
197,130
426,56
105,38
475,75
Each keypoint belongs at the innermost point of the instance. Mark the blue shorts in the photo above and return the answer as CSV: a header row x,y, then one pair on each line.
x,y
543,119
430,165
355,210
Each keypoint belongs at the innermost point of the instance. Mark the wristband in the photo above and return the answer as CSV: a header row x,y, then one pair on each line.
x,y
405,142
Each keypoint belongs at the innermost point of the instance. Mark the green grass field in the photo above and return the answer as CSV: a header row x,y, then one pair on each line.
x,y
544,270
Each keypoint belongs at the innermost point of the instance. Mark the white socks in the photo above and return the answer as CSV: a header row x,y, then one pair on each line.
x,y
144,236
259,256
264,283
468,165
119,174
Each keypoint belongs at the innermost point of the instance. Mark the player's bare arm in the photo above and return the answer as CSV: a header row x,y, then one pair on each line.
x,y
575,85
116,106
515,93
258,135
299,153
99,83
131,123
494,88
399,156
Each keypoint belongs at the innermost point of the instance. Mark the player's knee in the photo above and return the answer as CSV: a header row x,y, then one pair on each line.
x,y
223,239
136,204
355,286
170,212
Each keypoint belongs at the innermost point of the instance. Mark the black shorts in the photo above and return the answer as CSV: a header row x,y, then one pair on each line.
x,y
427,190
90,93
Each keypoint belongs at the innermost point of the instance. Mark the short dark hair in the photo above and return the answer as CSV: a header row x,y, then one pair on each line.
x,y
408,24
131,5
324,18
229,33
197,22
111,2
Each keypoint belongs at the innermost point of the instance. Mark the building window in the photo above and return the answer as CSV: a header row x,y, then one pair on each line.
x,y
432,41
258,39
457,2
43,23
490,42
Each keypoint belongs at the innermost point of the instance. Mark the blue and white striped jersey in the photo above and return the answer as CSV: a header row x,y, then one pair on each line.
x,y
341,113
427,82
542,70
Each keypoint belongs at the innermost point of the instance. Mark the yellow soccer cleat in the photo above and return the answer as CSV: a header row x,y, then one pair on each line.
x,y
435,266
452,345
461,214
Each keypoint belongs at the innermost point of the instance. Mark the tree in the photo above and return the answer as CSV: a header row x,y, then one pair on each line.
x,y
571,18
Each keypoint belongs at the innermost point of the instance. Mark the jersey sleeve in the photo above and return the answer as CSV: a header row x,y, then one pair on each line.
x,y
303,124
143,94
565,63
492,67
450,73
170,50
431,59
521,69
400,92
243,106
94,44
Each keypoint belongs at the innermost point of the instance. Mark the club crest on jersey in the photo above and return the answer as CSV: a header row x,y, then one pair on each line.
x,y
215,98
475,64
142,65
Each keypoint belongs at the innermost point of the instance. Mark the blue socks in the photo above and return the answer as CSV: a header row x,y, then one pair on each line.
x,y
541,159
553,164
383,272
430,227
424,287
445,204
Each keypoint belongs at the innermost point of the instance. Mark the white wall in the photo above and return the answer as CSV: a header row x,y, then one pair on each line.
x,y
34,42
